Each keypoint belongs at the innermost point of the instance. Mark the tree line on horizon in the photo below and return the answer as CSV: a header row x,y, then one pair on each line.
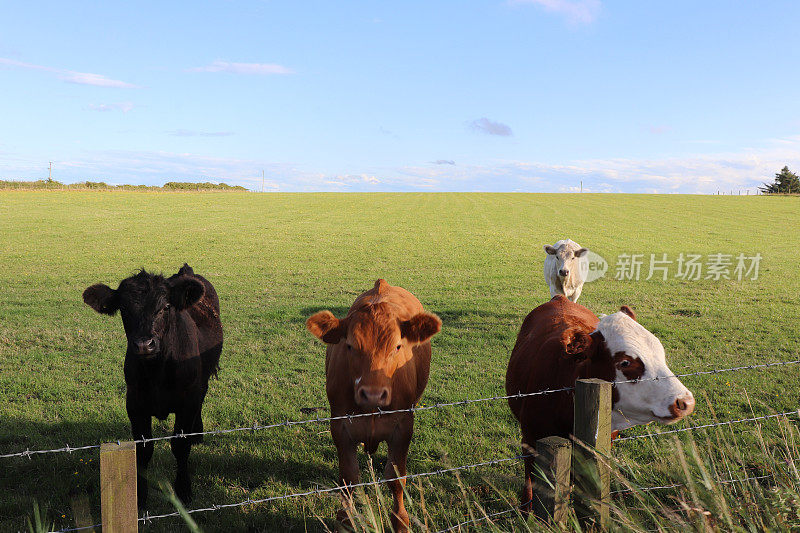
x,y
101,185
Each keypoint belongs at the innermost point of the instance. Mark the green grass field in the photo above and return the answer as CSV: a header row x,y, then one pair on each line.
x,y
474,259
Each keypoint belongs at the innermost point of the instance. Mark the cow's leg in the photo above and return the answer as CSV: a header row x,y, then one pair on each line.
x,y
396,467
346,450
141,427
185,421
576,293
526,497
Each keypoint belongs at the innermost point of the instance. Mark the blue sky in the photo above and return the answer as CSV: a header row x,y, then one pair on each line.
x,y
506,95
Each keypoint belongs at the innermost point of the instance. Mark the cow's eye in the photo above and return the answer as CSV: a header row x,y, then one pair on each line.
x,y
399,346
625,363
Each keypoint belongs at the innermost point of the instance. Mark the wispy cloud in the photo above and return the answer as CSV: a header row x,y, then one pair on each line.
x,y
71,76
347,181
490,127
193,133
658,129
706,174
444,162
119,106
575,11
244,68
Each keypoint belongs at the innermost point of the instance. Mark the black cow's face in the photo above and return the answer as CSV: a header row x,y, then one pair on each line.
x,y
147,304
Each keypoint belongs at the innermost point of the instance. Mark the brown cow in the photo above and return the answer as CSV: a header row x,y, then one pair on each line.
x,y
562,341
378,357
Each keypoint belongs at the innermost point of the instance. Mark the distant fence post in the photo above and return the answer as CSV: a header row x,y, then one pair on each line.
x,y
590,470
118,487
552,479
82,513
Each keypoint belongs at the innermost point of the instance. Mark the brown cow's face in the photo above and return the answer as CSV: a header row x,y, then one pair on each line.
x,y
374,344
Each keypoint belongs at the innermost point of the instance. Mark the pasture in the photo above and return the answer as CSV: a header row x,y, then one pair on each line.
x,y
473,259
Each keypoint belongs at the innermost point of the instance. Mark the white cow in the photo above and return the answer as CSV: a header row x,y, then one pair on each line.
x,y
565,268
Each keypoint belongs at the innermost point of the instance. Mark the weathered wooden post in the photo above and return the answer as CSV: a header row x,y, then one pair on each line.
x,y
118,487
590,469
552,479
82,513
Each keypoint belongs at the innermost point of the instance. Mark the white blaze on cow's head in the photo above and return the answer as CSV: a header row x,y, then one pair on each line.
x,y
569,257
638,355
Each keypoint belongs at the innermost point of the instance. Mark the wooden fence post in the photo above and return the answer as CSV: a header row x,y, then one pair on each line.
x,y
590,470
82,513
552,479
118,487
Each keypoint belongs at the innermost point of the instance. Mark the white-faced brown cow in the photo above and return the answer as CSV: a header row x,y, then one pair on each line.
x,y
378,357
560,342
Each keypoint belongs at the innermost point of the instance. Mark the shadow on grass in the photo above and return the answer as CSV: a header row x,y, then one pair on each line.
x,y
218,477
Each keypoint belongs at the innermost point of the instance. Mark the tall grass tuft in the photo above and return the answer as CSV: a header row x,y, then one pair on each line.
x,y
37,522
715,481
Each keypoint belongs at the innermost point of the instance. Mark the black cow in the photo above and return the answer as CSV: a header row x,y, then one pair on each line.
x,y
174,343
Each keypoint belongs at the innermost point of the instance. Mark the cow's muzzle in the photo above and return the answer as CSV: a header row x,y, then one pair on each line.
x,y
146,347
371,397
680,409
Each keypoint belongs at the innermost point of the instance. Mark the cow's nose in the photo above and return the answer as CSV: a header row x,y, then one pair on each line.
x,y
147,346
563,272
373,396
683,406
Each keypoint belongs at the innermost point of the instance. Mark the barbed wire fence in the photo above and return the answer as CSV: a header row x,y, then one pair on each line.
x,y
439,405
146,518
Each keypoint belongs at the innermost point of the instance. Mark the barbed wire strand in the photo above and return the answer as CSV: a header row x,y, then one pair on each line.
x,y
28,453
482,518
216,507
704,426
641,489
146,518
80,528
674,485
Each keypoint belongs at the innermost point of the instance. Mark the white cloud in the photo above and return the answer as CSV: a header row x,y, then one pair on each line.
x,y
98,80
490,127
71,76
707,174
244,68
575,11
120,106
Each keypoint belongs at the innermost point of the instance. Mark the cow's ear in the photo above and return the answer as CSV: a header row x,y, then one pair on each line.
x,y
549,249
102,299
185,292
576,343
628,311
328,328
580,252
421,327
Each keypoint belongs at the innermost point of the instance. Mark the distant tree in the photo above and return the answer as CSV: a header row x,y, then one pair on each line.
x,y
786,182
